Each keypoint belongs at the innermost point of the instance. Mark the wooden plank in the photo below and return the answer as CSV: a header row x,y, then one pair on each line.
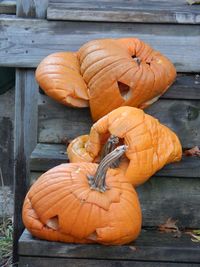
x,y
46,156
58,123
25,141
186,86
51,262
6,136
165,197
125,11
150,246
21,46
6,150
8,7
32,8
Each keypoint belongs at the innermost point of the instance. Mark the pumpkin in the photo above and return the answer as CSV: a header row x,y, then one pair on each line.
x,y
108,72
72,203
123,72
59,76
151,145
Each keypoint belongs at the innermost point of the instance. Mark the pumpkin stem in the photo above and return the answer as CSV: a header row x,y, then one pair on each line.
x,y
109,146
97,181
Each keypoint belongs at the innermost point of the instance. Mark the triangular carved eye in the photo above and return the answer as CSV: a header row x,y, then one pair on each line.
x,y
124,90
53,223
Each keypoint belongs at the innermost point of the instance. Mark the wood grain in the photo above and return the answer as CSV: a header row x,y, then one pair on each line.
x,y
8,7
24,43
25,133
46,156
125,11
58,262
58,123
32,8
151,246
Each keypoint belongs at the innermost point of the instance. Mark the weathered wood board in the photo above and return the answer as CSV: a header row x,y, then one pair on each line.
x,y
58,262
32,8
151,246
25,42
6,136
57,123
150,11
8,7
46,156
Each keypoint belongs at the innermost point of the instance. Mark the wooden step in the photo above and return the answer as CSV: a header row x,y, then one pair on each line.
x,y
46,156
174,191
38,38
178,109
152,248
150,11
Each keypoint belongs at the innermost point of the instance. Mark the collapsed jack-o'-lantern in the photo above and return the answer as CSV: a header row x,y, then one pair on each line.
x,y
109,73
151,145
84,203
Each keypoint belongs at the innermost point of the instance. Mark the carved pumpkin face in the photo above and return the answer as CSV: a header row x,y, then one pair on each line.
x,y
151,145
71,203
123,72
108,72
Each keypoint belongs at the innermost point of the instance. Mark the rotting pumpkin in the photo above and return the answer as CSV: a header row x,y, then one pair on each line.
x,y
109,73
151,145
84,203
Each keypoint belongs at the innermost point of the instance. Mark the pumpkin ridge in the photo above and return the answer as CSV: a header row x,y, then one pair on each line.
x,y
103,68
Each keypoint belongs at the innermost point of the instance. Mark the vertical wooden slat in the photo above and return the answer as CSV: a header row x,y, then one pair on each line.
x,y
25,133
32,8
25,122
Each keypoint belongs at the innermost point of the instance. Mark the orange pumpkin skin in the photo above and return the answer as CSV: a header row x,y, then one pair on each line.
x,y
59,76
83,215
123,72
151,145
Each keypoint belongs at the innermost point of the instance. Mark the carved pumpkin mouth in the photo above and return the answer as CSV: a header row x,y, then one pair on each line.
x,y
124,90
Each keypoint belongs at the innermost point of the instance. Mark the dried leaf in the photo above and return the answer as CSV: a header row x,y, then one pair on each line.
x,y
193,2
170,227
193,152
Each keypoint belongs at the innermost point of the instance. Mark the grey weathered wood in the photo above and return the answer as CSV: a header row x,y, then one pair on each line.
x,y
25,141
57,122
32,8
46,156
181,116
58,262
125,11
186,86
24,43
150,246
8,7
6,136
165,197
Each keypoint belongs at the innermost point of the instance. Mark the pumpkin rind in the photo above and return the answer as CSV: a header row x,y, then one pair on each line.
x,y
84,215
59,76
107,64
151,145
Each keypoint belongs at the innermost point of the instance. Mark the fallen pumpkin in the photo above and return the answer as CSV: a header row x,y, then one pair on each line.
x,y
108,72
151,145
71,203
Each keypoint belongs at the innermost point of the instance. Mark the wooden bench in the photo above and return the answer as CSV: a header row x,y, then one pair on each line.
x,y
43,126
